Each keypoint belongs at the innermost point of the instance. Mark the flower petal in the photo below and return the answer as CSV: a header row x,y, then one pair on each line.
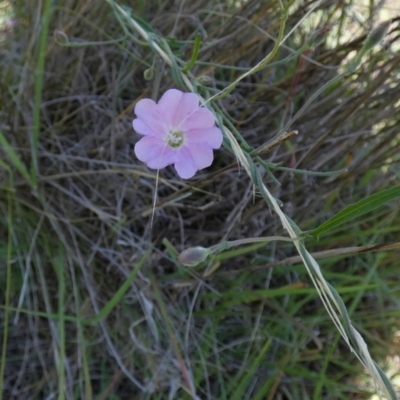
x,y
202,155
185,166
146,110
211,136
167,157
199,119
188,105
143,129
169,104
155,153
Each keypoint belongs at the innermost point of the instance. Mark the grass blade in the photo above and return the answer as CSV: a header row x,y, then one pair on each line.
x,y
122,290
357,209
39,89
13,156
8,285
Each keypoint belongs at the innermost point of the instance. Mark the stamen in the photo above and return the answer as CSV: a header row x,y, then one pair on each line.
x,y
175,139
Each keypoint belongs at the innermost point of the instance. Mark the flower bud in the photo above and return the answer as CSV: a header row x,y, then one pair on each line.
x,y
377,35
148,74
61,37
205,80
193,256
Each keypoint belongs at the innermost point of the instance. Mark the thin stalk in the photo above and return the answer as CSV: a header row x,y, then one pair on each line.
x,y
39,73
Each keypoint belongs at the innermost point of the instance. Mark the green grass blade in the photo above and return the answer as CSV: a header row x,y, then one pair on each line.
x,y
357,209
122,290
195,53
240,389
42,314
13,156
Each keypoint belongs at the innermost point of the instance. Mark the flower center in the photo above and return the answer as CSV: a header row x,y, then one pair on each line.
x,y
175,139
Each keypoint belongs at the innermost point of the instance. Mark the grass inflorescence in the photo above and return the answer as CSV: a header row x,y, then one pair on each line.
x,y
297,217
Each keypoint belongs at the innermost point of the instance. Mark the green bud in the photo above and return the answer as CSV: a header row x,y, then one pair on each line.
x,y
61,37
205,80
148,74
193,256
377,35
374,38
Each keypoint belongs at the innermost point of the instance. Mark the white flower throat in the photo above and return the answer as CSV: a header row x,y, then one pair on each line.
x,y
175,139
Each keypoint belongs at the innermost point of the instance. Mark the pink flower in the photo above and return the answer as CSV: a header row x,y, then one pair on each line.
x,y
176,131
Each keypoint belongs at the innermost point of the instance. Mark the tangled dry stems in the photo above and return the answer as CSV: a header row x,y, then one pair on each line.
x,y
99,199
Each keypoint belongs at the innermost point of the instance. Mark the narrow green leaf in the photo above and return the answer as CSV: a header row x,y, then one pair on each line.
x,y
42,314
238,252
143,24
355,210
122,290
13,156
240,389
195,53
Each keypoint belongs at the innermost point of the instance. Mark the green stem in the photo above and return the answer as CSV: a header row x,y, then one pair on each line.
x,y
266,239
261,64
